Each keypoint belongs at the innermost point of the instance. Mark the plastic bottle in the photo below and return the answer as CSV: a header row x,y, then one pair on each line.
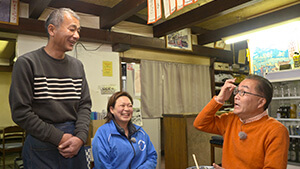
x,y
296,60
293,111
290,149
298,110
293,153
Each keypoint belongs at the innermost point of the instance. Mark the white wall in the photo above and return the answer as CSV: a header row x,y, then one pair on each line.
x,y
28,43
153,128
92,60
91,56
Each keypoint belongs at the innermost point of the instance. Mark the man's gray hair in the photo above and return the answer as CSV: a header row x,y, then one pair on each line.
x,y
56,17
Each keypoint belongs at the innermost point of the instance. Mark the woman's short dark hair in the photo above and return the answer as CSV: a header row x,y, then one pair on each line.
x,y
264,87
112,102
56,17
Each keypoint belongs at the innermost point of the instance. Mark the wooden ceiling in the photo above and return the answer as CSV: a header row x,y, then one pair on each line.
x,y
211,20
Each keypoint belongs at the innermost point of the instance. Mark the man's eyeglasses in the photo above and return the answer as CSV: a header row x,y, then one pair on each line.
x,y
242,92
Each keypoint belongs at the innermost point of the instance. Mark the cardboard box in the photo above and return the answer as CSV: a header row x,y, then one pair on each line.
x,y
218,65
94,125
221,66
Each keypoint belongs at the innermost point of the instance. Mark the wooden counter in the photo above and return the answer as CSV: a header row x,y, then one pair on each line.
x,y
181,140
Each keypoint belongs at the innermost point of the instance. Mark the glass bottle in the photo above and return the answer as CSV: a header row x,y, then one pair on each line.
x,y
276,91
297,149
293,156
298,111
293,111
296,60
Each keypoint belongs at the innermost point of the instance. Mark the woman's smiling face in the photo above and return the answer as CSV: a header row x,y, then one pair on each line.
x,y
123,110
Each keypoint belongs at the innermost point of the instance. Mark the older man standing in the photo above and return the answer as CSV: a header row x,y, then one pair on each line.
x,y
49,98
252,139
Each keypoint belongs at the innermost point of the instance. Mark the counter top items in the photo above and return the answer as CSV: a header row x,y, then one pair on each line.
x,y
195,160
201,167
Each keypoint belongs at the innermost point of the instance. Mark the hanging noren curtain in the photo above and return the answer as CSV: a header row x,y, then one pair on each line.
x,y
173,88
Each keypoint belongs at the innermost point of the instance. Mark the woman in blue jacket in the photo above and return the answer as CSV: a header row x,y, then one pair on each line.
x,y
120,144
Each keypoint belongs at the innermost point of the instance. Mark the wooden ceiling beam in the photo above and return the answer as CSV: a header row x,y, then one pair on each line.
x,y
251,24
136,19
36,8
36,28
197,30
79,6
121,12
200,14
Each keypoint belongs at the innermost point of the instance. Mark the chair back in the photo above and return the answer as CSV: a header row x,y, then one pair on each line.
x,y
12,138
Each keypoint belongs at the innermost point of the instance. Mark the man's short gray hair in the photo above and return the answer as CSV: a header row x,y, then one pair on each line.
x,y
56,17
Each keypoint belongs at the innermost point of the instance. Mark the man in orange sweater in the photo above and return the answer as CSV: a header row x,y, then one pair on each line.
x,y
252,139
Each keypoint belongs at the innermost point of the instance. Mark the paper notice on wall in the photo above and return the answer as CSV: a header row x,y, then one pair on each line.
x,y
108,89
107,68
137,80
158,10
172,5
179,4
154,10
137,114
167,8
151,11
187,2
242,56
14,11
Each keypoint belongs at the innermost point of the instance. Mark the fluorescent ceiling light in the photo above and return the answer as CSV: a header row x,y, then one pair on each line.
x,y
264,32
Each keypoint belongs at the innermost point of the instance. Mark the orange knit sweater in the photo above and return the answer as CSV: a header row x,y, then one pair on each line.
x,y
266,145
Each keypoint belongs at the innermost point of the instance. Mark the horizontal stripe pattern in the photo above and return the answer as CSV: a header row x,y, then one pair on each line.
x,y
57,88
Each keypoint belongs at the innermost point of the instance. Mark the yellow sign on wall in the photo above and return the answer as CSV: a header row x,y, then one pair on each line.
x,y
107,68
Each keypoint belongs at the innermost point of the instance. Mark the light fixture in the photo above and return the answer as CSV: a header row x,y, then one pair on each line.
x,y
266,31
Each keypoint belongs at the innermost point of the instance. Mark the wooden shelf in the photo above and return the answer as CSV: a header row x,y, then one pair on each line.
x,y
287,119
286,98
223,74
294,163
231,72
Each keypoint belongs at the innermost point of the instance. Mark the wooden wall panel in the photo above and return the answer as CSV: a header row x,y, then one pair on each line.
x,y
175,143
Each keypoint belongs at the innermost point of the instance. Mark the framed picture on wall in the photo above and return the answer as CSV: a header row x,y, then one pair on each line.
x,y
180,40
219,44
9,12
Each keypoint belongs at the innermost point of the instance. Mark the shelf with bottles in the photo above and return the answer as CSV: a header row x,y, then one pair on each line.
x,y
286,104
286,90
285,110
294,152
293,163
288,119
286,98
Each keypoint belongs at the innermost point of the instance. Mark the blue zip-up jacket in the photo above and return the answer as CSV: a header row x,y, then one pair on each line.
x,y
113,150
